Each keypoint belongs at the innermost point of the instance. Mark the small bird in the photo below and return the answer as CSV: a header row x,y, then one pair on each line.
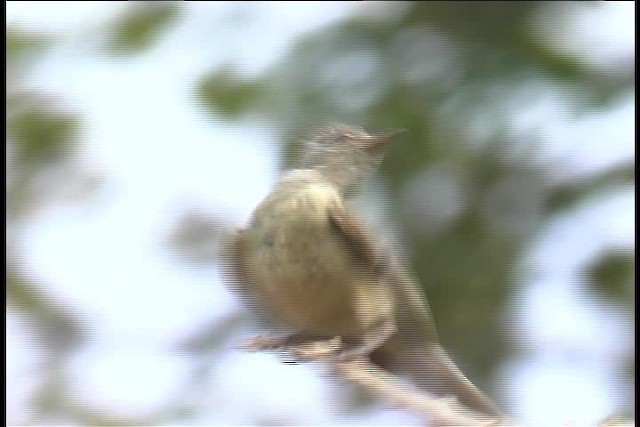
x,y
305,262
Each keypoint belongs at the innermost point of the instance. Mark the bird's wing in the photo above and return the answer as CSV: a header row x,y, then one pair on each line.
x,y
357,237
412,307
415,348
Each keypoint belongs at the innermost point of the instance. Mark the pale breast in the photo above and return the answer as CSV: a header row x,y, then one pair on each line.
x,y
303,266
295,241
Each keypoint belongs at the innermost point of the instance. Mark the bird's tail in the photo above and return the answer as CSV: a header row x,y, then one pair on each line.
x,y
415,350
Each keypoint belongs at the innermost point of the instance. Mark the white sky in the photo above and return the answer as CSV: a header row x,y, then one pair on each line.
x,y
129,365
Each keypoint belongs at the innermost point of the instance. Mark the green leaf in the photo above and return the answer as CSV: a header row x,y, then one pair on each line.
x,y
23,46
612,275
141,26
223,92
42,136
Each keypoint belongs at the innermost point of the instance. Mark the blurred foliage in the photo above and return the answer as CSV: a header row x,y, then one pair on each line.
x,y
613,275
469,192
42,136
567,194
41,133
23,46
221,93
58,328
141,24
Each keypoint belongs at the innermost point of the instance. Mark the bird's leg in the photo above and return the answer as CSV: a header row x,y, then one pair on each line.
x,y
305,346
365,344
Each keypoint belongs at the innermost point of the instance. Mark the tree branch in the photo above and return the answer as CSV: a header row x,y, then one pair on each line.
x,y
438,411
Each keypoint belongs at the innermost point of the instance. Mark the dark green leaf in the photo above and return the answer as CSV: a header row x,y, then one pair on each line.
x,y
612,275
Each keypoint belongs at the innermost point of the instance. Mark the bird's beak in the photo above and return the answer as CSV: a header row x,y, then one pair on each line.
x,y
376,142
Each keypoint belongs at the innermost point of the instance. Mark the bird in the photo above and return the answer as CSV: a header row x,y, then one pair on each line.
x,y
305,262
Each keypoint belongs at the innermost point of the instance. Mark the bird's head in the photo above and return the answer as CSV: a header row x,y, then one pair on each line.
x,y
345,155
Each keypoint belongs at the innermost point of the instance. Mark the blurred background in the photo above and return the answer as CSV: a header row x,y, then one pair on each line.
x,y
137,132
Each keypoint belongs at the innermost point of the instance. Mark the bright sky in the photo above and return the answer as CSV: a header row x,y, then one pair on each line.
x,y
129,365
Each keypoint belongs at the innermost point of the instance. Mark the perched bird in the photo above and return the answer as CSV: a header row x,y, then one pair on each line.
x,y
305,262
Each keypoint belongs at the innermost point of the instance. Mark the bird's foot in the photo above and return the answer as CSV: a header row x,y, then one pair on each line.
x,y
297,348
